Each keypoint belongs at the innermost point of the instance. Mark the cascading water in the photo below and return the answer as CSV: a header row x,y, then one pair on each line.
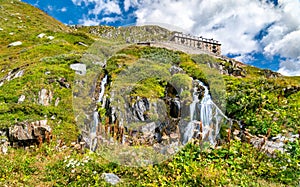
x,y
92,140
189,131
102,87
205,113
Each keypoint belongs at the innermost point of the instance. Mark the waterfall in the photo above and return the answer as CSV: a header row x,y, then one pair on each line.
x,y
92,139
189,131
102,87
204,113
93,131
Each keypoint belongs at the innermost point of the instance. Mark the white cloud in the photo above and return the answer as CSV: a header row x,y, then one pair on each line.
x,y
130,3
107,7
235,23
101,6
49,7
290,67
89,22
63,9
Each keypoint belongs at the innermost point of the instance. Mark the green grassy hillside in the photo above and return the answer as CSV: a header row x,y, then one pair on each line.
x,y
265,102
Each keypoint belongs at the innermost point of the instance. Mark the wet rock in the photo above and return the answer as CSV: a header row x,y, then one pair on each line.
x,y
148,128
111,178
21,99
140,107
45,97
17,43
175,108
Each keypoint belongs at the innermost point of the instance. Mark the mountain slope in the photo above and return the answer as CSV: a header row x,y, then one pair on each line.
x,y
40,62
36,83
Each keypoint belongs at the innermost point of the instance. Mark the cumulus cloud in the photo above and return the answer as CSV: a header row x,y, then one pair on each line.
x,y
237,24
100,6
130,3
290,67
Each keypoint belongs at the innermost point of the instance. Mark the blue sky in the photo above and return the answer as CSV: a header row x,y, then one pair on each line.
x,y
263,33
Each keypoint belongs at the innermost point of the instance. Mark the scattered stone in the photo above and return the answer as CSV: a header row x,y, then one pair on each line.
x,y
73,144
1,29
4,148
63,82
175,69
56,101
19,74
41,35
11,33
50,37
45,97
17,43
111,178
80,69
21,99
83,44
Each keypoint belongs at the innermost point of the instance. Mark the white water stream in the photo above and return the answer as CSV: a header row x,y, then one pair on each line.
x,y
205,113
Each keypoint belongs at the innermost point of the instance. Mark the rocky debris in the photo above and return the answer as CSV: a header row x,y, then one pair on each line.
x,y
111,178
50,37
21,99
291,90
228,67
281,138
17,43
45,97
4,147
56,101
30,132
80,69
64,83
41,35
15,73
175,69
81,43
264,143
271,74
267,146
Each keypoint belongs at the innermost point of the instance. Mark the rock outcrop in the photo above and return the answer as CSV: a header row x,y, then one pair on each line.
x,y
45,97
29,133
